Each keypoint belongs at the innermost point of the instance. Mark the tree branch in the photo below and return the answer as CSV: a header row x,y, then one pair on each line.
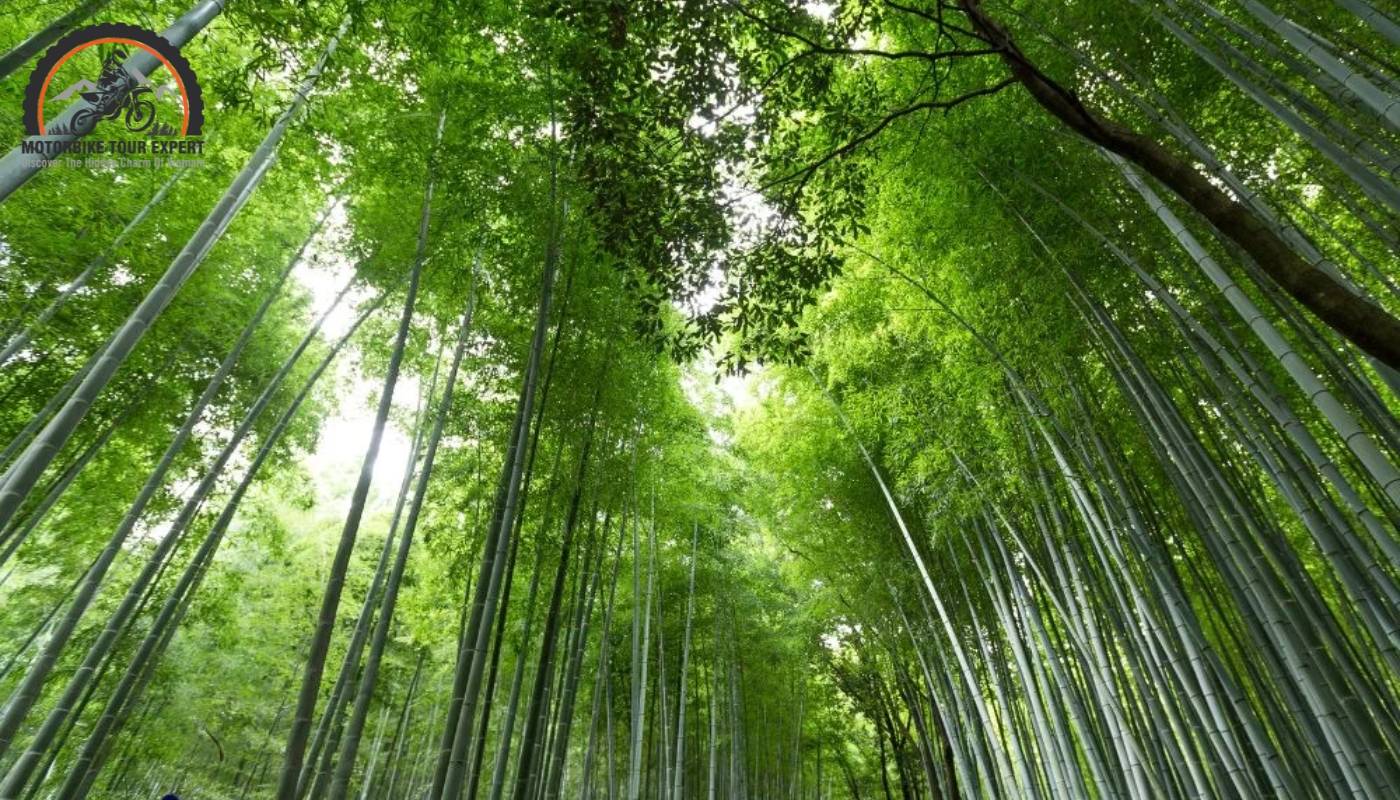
x,y
885,122
817,48
939,20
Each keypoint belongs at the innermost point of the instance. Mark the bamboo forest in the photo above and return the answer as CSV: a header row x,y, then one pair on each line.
x,y
699,399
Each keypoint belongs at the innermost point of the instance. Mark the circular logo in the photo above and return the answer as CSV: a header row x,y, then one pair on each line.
x,y
101,74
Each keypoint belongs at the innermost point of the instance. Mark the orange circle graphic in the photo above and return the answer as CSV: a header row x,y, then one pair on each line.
x,y
184,96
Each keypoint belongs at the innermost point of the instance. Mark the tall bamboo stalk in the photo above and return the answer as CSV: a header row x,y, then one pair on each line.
x,y
335,581
20,478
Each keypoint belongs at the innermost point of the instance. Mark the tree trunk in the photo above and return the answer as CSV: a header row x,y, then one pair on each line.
x,y
581,625
89,761
472,663
341,782
39,670
396,746
602,672
641,648
1356,318
685,664
534,720
335,582
25,472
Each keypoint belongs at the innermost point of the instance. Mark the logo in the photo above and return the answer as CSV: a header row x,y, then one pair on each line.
x,y
127,85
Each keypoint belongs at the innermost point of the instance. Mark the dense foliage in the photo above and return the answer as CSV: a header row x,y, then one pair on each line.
x,y
712,398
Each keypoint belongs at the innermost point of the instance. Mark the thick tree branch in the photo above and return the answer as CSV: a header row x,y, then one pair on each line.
x,y
1356,318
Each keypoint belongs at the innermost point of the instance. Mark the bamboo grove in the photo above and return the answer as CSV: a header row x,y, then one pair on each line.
x,y
709,400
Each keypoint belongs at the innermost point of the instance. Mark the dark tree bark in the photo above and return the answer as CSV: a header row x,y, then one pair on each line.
x,y
1356,318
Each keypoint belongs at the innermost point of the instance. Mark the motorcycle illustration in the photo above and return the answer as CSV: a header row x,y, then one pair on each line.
x,y
119,94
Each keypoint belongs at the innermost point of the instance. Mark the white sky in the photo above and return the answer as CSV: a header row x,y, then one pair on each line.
x,y
340,450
